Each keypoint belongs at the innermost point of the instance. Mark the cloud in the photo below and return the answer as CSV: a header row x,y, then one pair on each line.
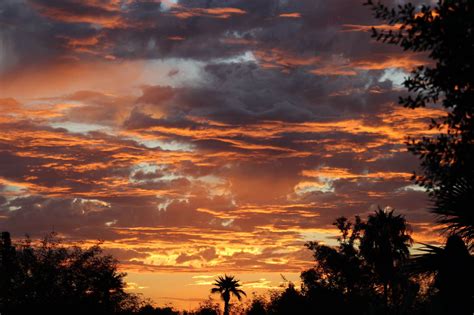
x,y
211,135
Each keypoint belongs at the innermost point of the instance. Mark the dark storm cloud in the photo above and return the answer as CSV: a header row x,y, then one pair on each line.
x,y
24,35
242,93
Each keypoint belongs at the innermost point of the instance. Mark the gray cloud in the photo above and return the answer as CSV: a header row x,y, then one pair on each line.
x,y
180,170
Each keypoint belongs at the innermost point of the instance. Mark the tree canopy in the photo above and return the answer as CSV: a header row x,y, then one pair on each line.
x,y
51,278
445,32
227,286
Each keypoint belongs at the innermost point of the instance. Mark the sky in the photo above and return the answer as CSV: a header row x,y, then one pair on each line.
x,y
197,137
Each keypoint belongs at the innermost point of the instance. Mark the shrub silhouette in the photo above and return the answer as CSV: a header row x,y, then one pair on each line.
x,y
151,310
208,307
257,306
290,301
54,279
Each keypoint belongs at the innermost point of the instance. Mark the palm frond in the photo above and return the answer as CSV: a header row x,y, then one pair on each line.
x,y
453,205
427,262
226,285
238,293
215,290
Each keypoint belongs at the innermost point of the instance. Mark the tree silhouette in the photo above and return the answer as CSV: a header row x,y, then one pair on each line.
x,y
289,301
9,272
151,310
340,268
446,32
455,278
54,279
454,275
385,246
453,204
258,306
225,286
340,282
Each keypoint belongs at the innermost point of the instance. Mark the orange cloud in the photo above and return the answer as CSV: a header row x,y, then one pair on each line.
x,y
290,15
171,184
176,38
106,16
220,13
333,70
70,76
407,62
342,173
347,67
366,28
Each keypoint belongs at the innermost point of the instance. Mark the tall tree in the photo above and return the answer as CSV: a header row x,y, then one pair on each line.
x,y
445,32
385,246
340,281
225,286
342,267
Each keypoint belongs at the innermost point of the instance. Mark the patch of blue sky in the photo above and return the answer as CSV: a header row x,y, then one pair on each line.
x,y
75,127
165,145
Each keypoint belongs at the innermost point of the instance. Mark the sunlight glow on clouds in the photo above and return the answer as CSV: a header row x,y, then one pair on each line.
x,y
201,136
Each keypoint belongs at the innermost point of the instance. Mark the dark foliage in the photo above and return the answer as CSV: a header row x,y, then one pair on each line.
x,y
290,301
454,202
385,247
258,306
208,307
340,280
365,273
452,268
445,32
49,278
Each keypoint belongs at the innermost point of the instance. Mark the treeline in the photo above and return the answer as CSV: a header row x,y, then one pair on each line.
x,y
370,271
50,278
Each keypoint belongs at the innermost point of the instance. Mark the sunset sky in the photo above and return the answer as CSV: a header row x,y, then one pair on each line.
x,y
197,137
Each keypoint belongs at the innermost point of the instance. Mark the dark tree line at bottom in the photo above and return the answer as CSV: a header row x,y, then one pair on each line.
x,y
370,271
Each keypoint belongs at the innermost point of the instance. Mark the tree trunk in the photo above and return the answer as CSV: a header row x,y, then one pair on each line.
x,y
226,307
385,294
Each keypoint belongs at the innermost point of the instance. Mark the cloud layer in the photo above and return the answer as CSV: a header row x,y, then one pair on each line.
x,y
201,135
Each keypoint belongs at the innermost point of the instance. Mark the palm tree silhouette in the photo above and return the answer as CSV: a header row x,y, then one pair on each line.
x,y
385,245
225,286
453,204
452,267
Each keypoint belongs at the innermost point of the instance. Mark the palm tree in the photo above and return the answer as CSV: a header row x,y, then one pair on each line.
x,y
225,286
385,245
452,267
453,204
